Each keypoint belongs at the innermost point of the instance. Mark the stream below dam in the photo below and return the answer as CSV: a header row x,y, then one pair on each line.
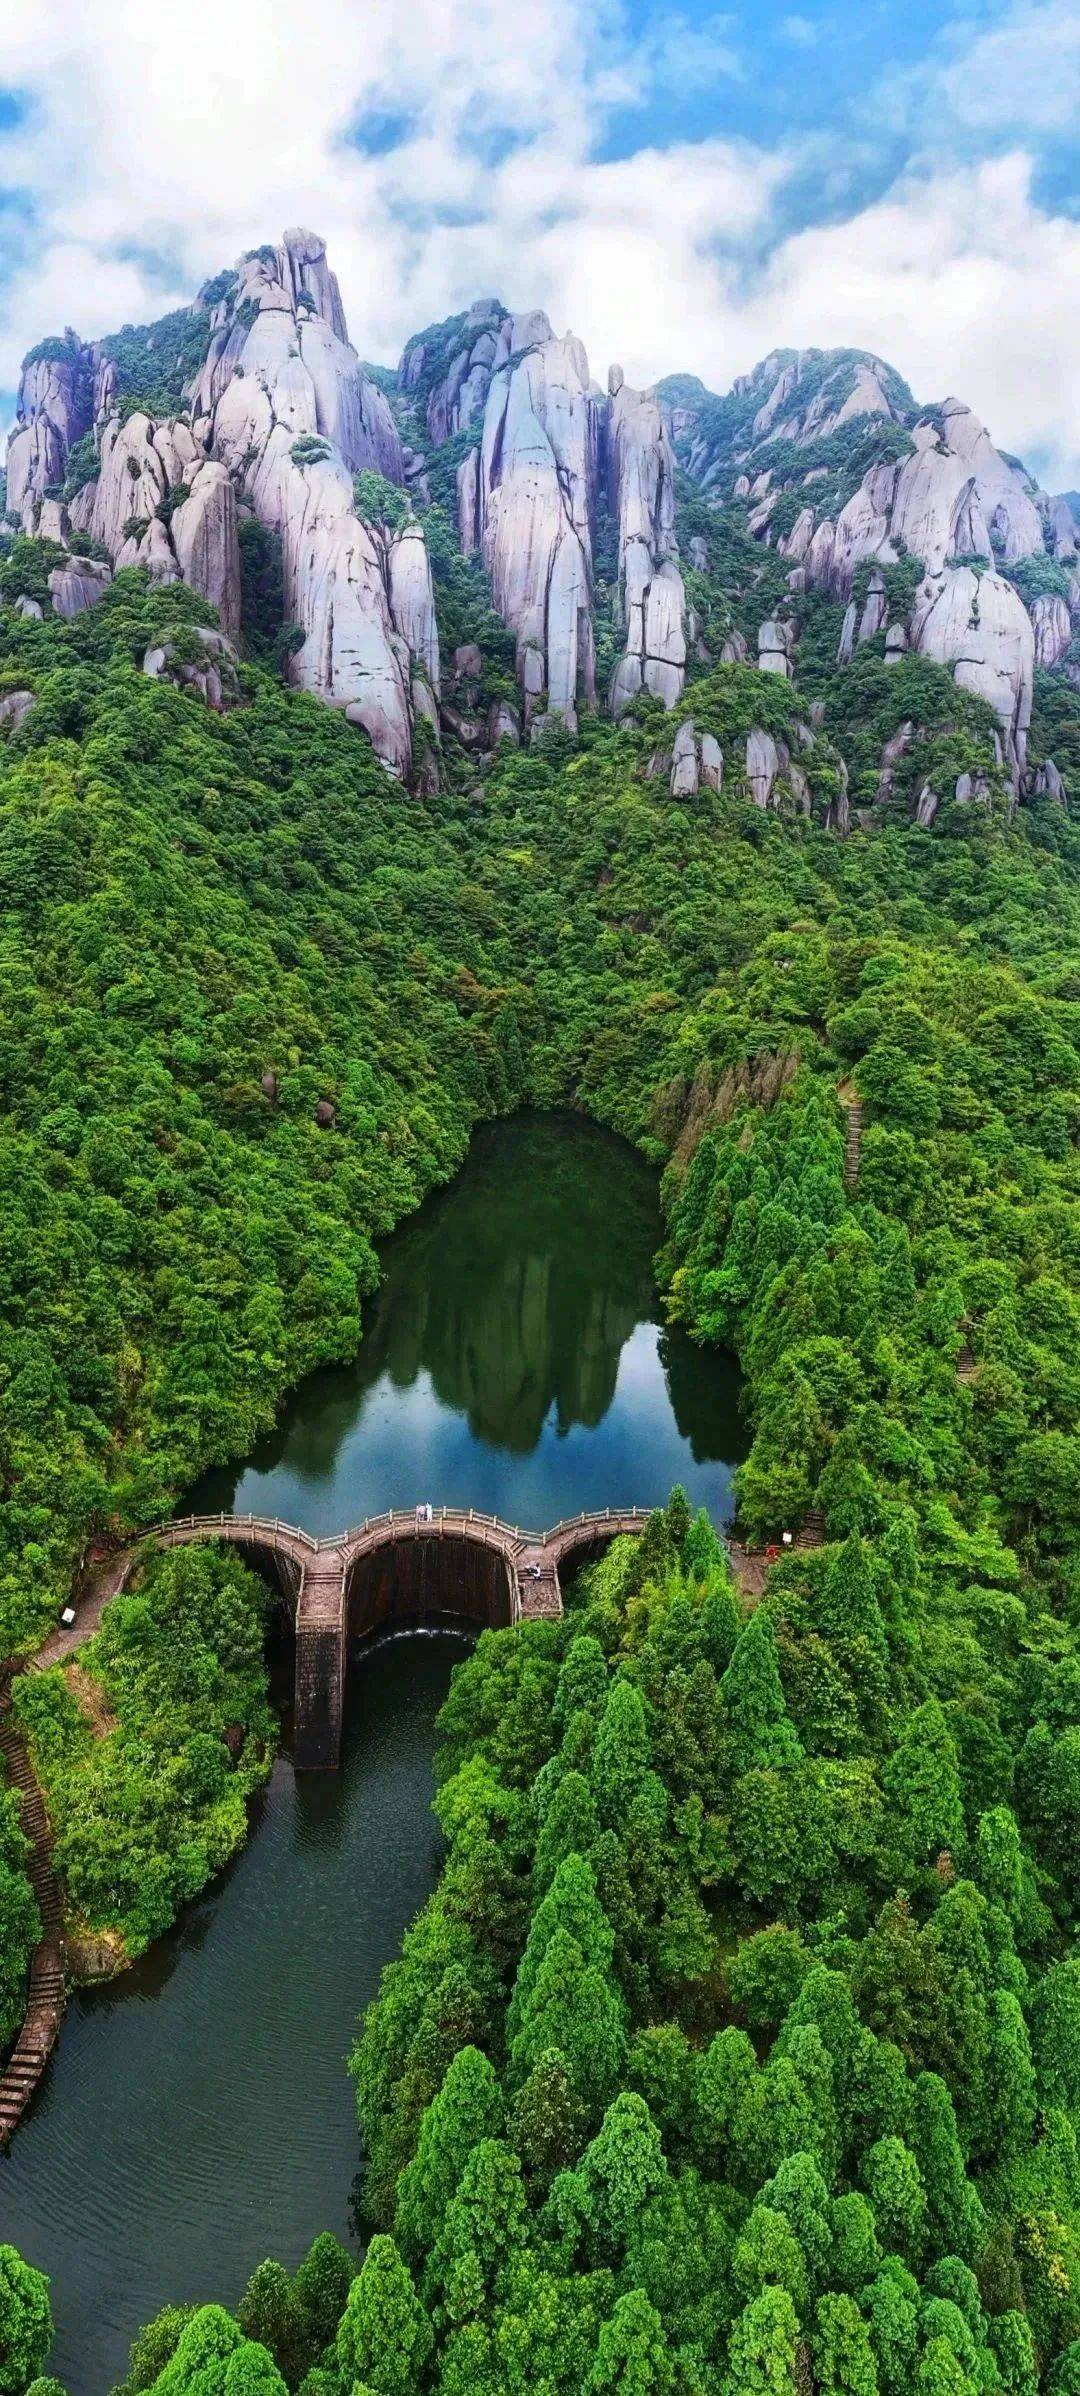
x,y
197,2115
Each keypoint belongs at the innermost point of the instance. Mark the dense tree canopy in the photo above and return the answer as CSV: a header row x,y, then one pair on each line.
x,y
736,2048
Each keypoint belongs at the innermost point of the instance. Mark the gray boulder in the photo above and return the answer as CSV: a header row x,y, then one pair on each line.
x,y
685,770
504,723
875,609
774,642
212,675
896,747
15,706
1048,783
79,583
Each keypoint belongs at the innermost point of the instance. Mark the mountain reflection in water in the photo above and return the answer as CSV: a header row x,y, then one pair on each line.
x,y
514,1357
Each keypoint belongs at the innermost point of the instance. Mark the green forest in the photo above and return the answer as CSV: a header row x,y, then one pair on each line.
x,y
737,2052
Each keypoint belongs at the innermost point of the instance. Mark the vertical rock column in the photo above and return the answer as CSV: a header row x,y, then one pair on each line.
x,y
532,495
641,485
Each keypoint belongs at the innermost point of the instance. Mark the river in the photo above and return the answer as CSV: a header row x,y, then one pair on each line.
x,y
197,2116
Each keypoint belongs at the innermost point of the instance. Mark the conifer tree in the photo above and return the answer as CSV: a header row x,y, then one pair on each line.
x,y
570,1904
632,2355
384,2337
759,1732
762,2355
467,2108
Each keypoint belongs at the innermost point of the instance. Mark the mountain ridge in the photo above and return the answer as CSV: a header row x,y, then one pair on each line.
x,y
185,447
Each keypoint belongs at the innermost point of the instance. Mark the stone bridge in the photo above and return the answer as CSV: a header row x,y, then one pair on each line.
x,y
403,1566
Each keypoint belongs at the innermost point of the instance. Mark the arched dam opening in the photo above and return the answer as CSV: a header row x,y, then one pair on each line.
x,y
419,1582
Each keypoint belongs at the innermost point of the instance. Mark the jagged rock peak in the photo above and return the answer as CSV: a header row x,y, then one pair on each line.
x,y
533,487
54,409
281,323
812,393
284,403
448,368
158,501
551,448
282,415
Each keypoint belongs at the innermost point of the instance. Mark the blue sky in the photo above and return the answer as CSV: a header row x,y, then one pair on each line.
x,y
685,188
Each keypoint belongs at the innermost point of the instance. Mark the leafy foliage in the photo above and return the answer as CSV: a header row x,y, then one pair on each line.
x,y
156,362
149,1749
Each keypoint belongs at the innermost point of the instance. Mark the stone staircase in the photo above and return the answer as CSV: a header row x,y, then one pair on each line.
x,y
45,1994
812,1533
853,1143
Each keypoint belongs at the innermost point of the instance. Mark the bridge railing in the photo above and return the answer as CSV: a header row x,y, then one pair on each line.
x,y
271,1524
465,1518
578,1522
457,1517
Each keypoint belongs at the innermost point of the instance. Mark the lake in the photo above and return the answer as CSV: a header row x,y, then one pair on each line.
x,y
197,2115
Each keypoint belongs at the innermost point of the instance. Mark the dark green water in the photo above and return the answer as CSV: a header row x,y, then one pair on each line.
x,y
513,1359
197,2116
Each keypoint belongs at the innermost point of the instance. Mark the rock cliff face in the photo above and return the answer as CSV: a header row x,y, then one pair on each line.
x,y
530,501
462,368
281,325
935,490
875,523
953,496
641,479
281,417
803,407
978,625
54,410
284,405
551,450
796,396
158,501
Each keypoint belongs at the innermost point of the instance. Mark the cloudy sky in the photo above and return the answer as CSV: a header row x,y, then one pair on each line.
x,y
685,188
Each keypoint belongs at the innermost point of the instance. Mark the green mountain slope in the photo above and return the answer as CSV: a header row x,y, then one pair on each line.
x,y
737,2047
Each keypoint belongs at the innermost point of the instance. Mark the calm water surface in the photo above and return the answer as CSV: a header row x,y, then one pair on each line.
x,y
197,2116
514,1358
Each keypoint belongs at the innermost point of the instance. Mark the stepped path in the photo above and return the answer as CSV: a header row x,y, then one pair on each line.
x,y
45,1993
852,1105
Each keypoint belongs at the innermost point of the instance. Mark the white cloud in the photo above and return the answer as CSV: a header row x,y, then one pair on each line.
x,y
1021,74
139,141
961,280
